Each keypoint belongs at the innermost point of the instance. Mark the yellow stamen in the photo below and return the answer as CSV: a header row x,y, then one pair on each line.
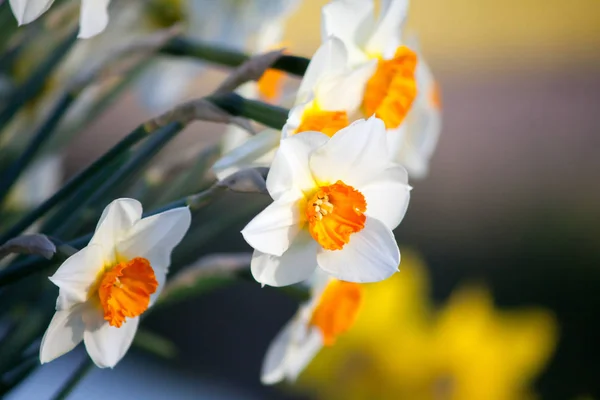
x,y
125,290
392,89
334,213
337,309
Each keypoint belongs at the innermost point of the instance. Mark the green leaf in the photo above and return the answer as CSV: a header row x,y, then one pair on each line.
x,y
155,344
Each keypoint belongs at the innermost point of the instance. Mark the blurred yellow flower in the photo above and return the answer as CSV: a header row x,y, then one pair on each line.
x,y
403,348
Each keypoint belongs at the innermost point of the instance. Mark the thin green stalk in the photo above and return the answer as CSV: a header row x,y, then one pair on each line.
x,y
140,158
12,174
80,373
32,264
76,182
181,46
36,82
269,115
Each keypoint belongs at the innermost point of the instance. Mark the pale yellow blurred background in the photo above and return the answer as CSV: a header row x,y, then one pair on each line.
x,y
467,35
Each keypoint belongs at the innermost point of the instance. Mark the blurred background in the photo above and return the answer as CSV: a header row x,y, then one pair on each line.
x,y
511,207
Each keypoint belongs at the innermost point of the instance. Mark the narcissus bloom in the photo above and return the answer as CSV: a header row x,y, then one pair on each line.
x,y
106,286
331,91
92,20
336,201
391,88
328,97
331,311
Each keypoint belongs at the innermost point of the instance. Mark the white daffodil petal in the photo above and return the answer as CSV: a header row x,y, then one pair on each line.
x,y
107,344
290,170
289,354
26,11
371,255
386,35
351,21
63,334
93,17
295,265
248,154
274,367
303,352
330,59
273,230
116,221
354,154
161,279
387,196
77,274
155,237
345,91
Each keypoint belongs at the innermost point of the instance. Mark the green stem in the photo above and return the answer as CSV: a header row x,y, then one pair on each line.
x,y
267,114
36,82
80,373
155,143
12,174
181,46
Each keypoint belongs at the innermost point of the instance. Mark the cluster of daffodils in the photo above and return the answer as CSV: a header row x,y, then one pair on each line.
x,y
339,182
366,116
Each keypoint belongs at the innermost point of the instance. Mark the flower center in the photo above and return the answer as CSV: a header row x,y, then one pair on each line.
x,y
337,309
327,122
334,213
392,89
125,290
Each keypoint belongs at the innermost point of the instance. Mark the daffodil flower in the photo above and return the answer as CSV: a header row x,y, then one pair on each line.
x,y
329,94
331,311
336,201
93,16
105,287
392,88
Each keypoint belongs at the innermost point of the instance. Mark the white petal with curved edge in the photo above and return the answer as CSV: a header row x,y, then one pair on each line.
x,y
63,334
26,11
351,21
273,230
117,219
155,237
250,154
107,344
295,265
387,32
353,155
274,367
77,274
330,59
387,196
371,255
289,353
289,170
93,17
302,352
345,91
